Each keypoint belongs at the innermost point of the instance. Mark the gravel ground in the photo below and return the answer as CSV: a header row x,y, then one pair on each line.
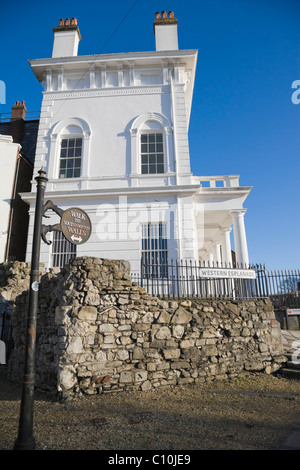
x,y
256,412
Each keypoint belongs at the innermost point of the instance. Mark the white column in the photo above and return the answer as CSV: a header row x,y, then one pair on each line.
x,y
131,73
103,75
120,75
49,79
217,253
226,247
92,76
240,240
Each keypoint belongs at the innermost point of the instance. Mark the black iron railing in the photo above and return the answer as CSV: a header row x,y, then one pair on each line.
x,y
187,279
281,286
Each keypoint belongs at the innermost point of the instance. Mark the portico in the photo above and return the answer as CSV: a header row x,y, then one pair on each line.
x,y
220,222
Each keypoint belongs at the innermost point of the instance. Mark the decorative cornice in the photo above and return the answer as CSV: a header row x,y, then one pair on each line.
x,y
117,91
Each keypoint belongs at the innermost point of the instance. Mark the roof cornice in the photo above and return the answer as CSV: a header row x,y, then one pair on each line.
x,y
116,57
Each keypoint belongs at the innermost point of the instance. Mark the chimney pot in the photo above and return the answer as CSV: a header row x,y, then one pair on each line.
x,y
74,21
157,14
67,22
17,103
164,14
171,14
61,22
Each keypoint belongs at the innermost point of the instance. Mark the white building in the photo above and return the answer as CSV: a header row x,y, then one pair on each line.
x,y
9,152
113,139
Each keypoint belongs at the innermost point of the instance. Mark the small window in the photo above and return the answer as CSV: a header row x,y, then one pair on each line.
x,y
70,158
152,154
62,250
155,250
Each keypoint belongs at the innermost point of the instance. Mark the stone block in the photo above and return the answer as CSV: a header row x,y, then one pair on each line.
x,y
262,347
137,354
92,298
106,328
180,365
171,353
187,343
164,317
141,376
123,300
209,350
66,378
88,313
93,274
181,316
178,331
123,354
146,386
75,346
109,339
126,376
254,365
163,333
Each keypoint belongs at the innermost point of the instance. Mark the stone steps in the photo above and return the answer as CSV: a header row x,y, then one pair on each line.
x,y
291,369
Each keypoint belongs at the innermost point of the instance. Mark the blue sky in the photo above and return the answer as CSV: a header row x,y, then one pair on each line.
x,y
243,119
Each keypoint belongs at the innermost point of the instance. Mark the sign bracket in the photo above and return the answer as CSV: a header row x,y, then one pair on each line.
x,y
51,228
74,224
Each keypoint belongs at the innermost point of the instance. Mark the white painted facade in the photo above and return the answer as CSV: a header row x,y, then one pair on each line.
x,y
8,160
109,101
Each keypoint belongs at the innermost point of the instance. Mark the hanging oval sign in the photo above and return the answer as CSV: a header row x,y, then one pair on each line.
x,y
76,225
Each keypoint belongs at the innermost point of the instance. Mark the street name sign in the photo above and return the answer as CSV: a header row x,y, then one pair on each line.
x,y
227,273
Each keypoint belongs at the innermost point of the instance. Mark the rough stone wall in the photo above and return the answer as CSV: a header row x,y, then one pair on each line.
x,y
98,332
14,279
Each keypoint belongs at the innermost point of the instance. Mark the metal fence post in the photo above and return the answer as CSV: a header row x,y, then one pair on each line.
x,y
25,440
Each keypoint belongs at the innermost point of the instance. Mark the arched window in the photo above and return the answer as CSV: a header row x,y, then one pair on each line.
x,y
69,149
150,145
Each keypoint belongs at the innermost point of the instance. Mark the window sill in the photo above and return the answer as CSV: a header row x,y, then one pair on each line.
x,y
152,175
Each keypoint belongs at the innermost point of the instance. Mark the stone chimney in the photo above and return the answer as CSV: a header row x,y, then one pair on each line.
x,y
66,38
165,30
17,118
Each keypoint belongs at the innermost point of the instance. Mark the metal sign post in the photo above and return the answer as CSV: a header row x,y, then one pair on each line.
x,y
76,227
25,440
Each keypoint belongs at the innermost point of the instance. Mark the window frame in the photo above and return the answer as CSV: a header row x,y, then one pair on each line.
x,y
149,153
61,158
61,250
59,132
154,250
151,123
